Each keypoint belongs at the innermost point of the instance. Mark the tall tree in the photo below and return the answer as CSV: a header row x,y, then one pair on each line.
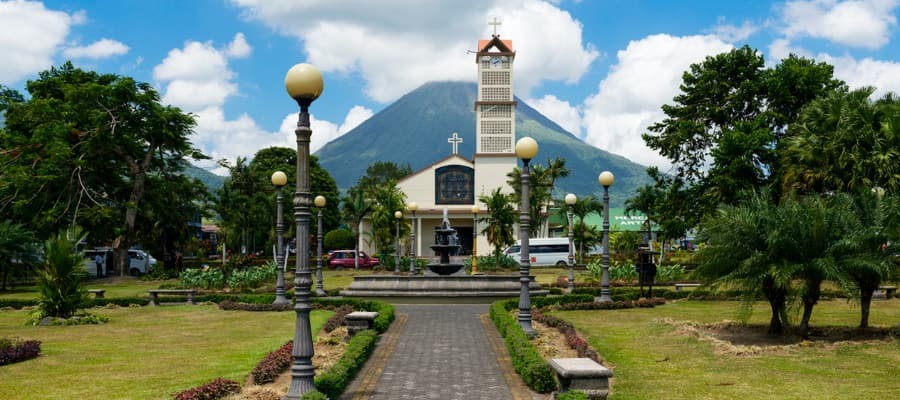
x,y
723,132
498,224
380,173
85,142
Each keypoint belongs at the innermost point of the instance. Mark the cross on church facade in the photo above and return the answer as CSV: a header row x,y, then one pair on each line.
x,y
495,23
455,140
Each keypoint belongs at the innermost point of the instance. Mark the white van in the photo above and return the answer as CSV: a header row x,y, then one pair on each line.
x,y
543,252
139,262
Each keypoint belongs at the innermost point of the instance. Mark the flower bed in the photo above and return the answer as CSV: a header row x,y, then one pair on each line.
x,y
15,350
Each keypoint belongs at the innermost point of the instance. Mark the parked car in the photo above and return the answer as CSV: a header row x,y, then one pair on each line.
x,y
345,259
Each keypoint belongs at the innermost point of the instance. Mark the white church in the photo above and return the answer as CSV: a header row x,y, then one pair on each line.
x,y
455,182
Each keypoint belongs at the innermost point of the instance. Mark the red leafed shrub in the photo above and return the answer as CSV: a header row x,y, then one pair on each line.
x,y
337,319
574,341
15,350
273,364
216,389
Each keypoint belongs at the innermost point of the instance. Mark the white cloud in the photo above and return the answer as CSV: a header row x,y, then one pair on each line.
x,y
198,76
646,75
864,24
30,36
781,48
866,72
395,47
238,48
559,111
733,34
102,48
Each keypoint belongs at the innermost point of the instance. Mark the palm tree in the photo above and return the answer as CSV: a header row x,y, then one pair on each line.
x,y
540,189
356,208
583,207
844,142
498,224
738,255
864,257
646,201
60,276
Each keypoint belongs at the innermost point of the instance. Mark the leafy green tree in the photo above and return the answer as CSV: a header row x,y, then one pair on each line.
x,y
17,248
243,205
85,144
338,239
498,224
587,237
723,132
387,199
844,142
380,173
60,276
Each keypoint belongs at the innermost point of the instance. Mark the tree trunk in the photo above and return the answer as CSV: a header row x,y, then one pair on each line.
x,y
866,289
139,178
810,298
776,298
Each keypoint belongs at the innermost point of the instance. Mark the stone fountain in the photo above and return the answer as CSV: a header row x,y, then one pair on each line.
x,y
443,278
446,243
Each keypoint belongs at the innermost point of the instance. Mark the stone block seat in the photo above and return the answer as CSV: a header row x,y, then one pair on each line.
x,y
98,293
582,374
359,321
154,295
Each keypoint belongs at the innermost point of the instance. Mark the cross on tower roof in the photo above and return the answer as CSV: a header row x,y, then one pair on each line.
x,y
495,23
455,140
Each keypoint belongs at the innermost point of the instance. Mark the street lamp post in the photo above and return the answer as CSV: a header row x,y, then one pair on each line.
x,y
320,286
571,199
475,239
398,215
412,207
606,179
304,84
526,149
279,179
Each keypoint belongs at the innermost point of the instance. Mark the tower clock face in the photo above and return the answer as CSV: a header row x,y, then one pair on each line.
x,y
496,62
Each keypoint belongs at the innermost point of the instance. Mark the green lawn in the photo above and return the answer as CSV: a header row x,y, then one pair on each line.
x,y
652,362
143,352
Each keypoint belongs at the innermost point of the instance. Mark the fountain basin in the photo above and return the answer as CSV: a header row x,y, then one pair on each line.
x,y
439,286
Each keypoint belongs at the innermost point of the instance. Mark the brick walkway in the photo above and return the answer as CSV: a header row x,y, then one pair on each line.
x,y
440,352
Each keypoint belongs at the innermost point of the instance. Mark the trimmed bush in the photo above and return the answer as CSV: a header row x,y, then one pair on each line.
x,y
526,361
333,382
572,395
214,390
314,395
338,239
15,350
229,305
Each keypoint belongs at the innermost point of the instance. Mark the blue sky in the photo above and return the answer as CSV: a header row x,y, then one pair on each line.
x,y
599,68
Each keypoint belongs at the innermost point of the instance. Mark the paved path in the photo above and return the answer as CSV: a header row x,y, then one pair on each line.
x,y
440,352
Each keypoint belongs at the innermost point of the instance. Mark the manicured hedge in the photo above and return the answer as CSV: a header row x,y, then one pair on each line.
x,y
333,381
273,364
527,362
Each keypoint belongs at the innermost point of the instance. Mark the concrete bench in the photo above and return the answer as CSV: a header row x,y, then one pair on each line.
x,y
154,295
888,291
679,286
359,321
98,293
582,374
